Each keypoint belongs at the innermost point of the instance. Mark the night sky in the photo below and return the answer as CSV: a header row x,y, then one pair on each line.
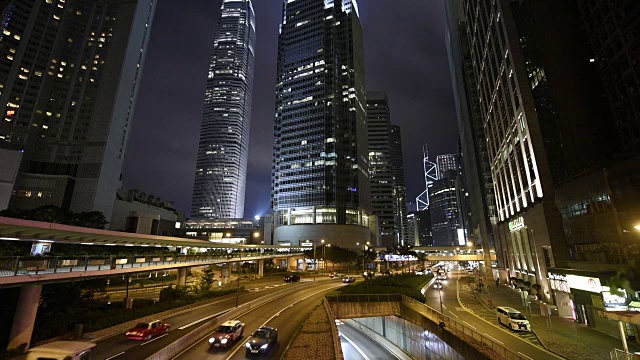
x,y
405,55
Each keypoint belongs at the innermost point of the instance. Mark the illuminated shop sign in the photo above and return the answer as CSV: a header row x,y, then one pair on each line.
x,y
516,224
585,283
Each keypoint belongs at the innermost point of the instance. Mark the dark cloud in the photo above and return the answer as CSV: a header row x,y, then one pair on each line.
x,y
405,56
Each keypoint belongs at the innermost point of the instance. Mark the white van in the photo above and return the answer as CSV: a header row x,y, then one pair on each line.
x,y
62,350
512,318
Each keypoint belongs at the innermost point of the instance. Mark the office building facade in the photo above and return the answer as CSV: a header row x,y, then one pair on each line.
x,y
445,163
381,167
69,78
399,188
444,210
544,122
320,172
475,162
223,150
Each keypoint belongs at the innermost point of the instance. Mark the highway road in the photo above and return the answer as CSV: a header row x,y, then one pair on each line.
x,y
286,314
486,327
118,347
358,346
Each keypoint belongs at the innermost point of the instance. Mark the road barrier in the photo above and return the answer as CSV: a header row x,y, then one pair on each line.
x,y
199,333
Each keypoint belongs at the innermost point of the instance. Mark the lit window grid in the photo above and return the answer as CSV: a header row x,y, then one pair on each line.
x,y
511,183
306,174
221,166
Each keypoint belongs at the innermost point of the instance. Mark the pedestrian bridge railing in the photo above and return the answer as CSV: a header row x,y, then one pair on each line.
x,y
17,266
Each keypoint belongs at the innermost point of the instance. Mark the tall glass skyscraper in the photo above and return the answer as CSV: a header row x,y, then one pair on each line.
x,y
221,168
320,155
69,78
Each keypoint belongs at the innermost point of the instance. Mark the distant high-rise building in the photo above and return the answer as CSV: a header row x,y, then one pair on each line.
x,y
419,228
444,210
545,122
445,163
614,32
381,167
399,189
70,73
320,156
223,150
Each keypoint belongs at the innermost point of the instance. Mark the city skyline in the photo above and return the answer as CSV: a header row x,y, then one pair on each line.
x,y
169,182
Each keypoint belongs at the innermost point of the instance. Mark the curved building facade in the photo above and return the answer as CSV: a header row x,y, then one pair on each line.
x,y
221,167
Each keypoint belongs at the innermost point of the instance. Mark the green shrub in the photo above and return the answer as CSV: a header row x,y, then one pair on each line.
x,y
407,284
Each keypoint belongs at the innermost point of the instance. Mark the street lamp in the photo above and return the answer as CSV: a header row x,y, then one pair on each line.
x,y
239,267
364,255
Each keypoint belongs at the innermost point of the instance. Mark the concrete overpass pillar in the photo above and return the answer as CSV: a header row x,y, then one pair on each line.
x,y
292,263
182,277
25,316
261,268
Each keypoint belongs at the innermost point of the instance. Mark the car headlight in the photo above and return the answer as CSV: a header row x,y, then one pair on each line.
x,y
248,345
212,340
223,341
264,346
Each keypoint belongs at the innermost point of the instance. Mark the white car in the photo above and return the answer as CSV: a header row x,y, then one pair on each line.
x,y
437,285
513,319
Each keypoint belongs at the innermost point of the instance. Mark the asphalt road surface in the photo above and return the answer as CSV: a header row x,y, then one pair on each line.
x,y
488,328
118,347
286,314
358,346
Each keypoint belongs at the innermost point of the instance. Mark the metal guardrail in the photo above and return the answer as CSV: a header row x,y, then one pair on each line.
x,y
35,265
617,354
364,298
484,343
337,346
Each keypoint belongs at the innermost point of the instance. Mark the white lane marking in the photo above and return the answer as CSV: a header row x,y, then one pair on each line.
x,y
159,337
278,314
452,313
494,339
116,355
203,319
471,326
525,355
354,345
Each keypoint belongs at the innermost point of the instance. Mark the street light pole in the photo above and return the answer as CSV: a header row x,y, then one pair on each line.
x,y
314,260
239,267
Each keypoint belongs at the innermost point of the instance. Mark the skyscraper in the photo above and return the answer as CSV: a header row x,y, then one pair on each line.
x,y
69,75
320,156
381,171
544,121
399,189
223,150
475,159
445,163
444,210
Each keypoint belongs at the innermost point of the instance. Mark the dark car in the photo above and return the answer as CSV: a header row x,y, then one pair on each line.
x,y
262,340
349,279
292,278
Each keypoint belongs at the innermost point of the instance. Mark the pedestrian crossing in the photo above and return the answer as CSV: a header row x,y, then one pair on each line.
x,y
469,300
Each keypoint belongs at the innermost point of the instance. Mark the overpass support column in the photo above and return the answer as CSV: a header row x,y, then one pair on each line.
x,y
292,263
182,277
25,316
261,268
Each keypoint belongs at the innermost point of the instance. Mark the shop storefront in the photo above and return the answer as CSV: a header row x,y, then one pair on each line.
x,y
580,295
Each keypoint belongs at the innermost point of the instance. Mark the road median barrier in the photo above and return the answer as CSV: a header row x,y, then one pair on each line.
x,y
191,338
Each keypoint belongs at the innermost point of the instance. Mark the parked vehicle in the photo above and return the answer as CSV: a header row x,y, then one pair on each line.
x,y
262,340
349,279
512,318
292,278
145,331
62,350
225,334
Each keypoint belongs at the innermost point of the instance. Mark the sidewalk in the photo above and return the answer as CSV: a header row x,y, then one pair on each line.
x,y
570,339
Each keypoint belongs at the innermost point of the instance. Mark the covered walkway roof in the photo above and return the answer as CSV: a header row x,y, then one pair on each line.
x,y
28,230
